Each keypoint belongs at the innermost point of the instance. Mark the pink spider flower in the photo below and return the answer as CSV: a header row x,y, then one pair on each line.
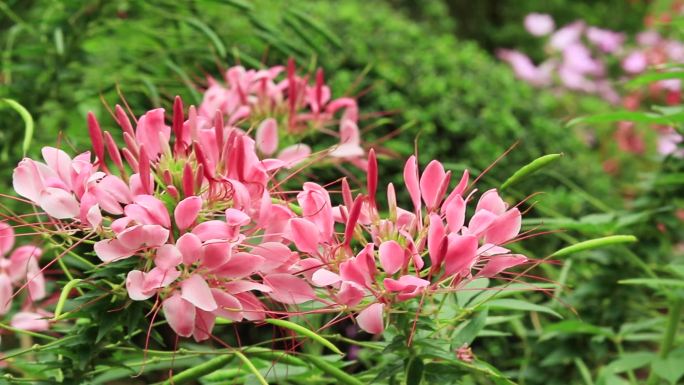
x,y
392,266
18,270
280,106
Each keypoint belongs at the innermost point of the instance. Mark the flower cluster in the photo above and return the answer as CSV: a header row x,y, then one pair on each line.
x,y
21,270
284,109
197,204
579,59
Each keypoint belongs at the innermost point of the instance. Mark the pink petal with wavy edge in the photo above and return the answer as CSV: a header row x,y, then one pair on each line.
x,y
5,293
499,263
204,324
504,228
275,255
151,131
27,180
30,321
228,306
305,235
180,315
392,256
111,249
480,222
411,181
294,154
20,259
36,280
213,230
190,247
58,203
196,290
6,238
431,183
236,287
155,208
60,162
491,201
461,254
455,214
240,265
252,308
186,212
324,277
167,257
216,254
317,208
135,281
158,278
408,286
347,150
289,289
370,319
235,217
350,294
266,136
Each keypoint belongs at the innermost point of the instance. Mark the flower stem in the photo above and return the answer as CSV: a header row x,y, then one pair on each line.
x,y
673,318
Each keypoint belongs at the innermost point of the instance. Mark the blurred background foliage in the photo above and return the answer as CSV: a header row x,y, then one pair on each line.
x,y
421,70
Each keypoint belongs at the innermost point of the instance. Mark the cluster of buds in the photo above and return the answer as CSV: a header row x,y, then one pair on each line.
x,y
197,204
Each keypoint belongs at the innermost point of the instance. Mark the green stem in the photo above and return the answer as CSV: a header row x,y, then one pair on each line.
x,y
200,370
673,318
27,332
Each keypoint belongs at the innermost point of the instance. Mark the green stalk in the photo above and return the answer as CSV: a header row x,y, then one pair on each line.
x,y
673,318
200,370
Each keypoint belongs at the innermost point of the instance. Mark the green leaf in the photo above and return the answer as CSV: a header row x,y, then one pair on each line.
x,y
632,116
653,282
516,304
670,368
530,168
652,77
594,244
414,371
28,122
468,333
305,332
574,327
631,361
470,290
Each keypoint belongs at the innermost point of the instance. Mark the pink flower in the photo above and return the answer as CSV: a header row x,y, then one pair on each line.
x,y
566,36
539,24
524,68
606,40
635,62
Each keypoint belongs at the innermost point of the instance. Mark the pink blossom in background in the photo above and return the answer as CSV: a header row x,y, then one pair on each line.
x,y
636,62
606,40
648,38
539,24
670,143
569,34
524,68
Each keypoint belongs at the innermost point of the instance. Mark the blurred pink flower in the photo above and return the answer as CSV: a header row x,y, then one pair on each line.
x,y
606,40
539,24
636,62
524,68
567,35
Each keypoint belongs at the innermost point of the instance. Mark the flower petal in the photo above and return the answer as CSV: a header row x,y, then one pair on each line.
x,y
180,314
370,319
